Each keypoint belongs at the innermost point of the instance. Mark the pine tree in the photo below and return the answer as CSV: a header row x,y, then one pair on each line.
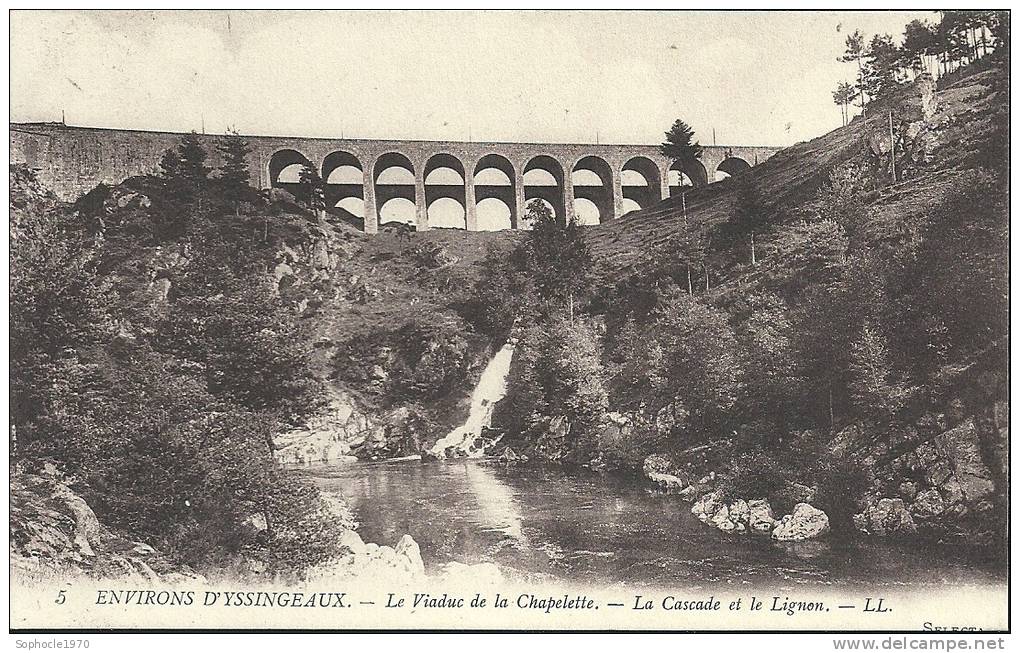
x,y
680,144
751,215
919,43
841,199
234,174
193,157
700,371
881,70
872,391
843,96
855,53
314,187
185,180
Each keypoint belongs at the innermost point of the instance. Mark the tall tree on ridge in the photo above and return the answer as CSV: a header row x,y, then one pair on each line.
x,y
234,174
680,144
843,96
855,53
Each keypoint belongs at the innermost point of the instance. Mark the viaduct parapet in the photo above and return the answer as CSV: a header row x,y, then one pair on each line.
x,y
369,178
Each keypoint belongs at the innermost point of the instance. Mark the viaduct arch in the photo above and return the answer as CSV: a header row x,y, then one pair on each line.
x,y
364,177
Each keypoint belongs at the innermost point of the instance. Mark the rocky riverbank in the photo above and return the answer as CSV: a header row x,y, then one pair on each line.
x,y
941,486
55,534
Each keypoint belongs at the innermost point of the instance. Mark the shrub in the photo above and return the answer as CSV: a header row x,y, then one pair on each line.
x,y
753,474
841,483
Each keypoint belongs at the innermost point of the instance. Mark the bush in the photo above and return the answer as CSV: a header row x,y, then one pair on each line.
x,y
841,483
753,475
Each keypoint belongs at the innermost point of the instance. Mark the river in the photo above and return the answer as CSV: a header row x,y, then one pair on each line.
x,y
541,522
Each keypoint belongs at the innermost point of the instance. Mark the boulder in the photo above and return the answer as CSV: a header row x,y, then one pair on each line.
x,y
87,531
351,541
800,492
721,520
257,521
706,507
666,482
655,464
806,522
889,517
408,549
511,457
938,473
739,512
928,505
277,195
952,491
691,492
760,518
962,448
929,96
908,491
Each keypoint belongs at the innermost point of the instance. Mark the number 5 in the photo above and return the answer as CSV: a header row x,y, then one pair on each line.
x,y
61,599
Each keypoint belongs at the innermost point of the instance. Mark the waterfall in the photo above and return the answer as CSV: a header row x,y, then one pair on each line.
x,y
490,389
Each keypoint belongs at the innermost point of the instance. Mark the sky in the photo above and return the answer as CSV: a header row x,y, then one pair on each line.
x,y
749,78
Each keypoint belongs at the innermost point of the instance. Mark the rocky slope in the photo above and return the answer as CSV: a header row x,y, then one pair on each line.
x,y
54,532
397,359
944,476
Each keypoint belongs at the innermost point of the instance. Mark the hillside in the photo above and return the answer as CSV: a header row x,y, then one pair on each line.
x,y
859,363
961,126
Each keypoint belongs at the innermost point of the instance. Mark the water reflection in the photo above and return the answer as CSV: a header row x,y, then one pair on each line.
x,y
543,522
496,501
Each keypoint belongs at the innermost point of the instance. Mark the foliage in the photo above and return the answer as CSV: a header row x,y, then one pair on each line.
x,y
842,97
871,387
162,417
752,474
883,70
680,144
430,363
841,198
503,294
241,340
959,38
234,174
314,187
805,254
752,214
557,374
560,259
770,387
855,52
840,483
700,372
953,287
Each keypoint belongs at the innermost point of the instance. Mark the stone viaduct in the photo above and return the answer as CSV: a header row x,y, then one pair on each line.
x,y
364,177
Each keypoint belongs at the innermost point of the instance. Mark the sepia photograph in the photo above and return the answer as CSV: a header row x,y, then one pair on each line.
x,y
519,320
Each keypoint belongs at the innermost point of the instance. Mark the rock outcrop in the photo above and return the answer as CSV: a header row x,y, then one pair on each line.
x,y
338,434
939,485
400,564
805,523
55,531
760,518
656,468
887,517
737,516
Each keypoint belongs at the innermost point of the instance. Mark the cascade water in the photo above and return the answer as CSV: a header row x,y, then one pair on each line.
x,y
490,389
